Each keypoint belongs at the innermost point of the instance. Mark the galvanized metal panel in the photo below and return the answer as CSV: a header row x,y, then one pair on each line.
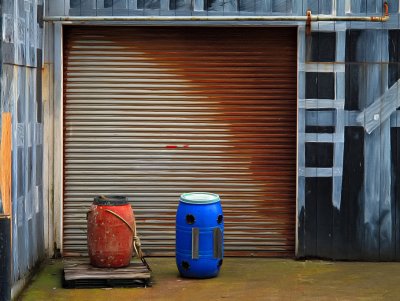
x,y
151,113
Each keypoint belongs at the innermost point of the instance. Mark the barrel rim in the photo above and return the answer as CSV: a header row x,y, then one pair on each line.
x,y
110,200
212,198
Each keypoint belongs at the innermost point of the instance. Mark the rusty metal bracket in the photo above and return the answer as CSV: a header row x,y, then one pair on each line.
x,y
308,22
385,16
310,18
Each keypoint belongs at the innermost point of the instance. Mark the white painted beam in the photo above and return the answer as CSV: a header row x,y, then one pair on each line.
x,y
381,109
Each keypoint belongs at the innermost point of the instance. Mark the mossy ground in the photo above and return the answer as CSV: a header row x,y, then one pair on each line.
x,y
240,279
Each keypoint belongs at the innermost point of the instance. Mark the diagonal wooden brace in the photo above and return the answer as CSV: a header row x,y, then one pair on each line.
x,y
381,109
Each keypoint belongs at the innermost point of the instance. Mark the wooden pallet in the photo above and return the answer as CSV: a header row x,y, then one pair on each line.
x,y
78,273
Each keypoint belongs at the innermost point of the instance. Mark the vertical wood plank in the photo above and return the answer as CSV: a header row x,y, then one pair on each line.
x,y
337,181
5,154
372,193
58,135
368,92
5,258
371,6
310,218
56,7
164,5
267,6
395,155
297,7
368,40
300,229
282,6
198,5
24,210
301,185
349,238
340,7
395,149
387,241
324,211
67,4
324,208
32,194
9,76
47,88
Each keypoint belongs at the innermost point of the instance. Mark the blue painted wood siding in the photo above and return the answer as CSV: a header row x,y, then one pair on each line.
x,y
21,95
189,7
350,205
219,7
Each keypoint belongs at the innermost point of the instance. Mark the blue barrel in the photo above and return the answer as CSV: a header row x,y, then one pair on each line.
x,y
199,235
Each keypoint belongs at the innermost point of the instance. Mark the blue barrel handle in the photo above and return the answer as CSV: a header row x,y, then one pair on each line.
x,y
217,235
195,243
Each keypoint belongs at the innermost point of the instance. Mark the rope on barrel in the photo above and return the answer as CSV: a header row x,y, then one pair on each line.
x,y
136,240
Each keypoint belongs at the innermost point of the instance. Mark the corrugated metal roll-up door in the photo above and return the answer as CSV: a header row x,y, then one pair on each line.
x,y
152,112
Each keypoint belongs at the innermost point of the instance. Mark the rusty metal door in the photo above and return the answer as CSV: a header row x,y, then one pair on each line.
x,y
152,112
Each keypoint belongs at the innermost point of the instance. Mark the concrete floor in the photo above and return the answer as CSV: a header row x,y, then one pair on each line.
x,y
240,279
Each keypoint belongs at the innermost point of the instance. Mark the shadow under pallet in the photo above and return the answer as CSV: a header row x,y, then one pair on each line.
x,y
78,273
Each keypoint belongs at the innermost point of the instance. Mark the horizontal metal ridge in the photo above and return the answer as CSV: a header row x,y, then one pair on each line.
x,y
152,113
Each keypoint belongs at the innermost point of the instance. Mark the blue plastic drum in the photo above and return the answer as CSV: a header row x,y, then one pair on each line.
x,y
199,235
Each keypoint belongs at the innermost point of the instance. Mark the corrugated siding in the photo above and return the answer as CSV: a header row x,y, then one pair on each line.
x,y
152,112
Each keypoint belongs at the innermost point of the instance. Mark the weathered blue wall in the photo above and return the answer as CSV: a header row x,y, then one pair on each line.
x,y
348,121
218,7
348,125
21,94
183,7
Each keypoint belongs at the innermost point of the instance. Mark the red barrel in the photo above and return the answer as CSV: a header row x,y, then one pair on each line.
x,y
110,226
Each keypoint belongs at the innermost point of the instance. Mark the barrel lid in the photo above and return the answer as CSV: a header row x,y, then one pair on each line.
x,y
110,200
199,198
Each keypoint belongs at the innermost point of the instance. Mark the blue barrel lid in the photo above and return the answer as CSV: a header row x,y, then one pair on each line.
x,y
199,198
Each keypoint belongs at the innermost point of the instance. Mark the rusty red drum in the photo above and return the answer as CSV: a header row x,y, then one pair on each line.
x,y
110,226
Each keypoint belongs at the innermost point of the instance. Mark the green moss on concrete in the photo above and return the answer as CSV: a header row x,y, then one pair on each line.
x,y
240,279
42,284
